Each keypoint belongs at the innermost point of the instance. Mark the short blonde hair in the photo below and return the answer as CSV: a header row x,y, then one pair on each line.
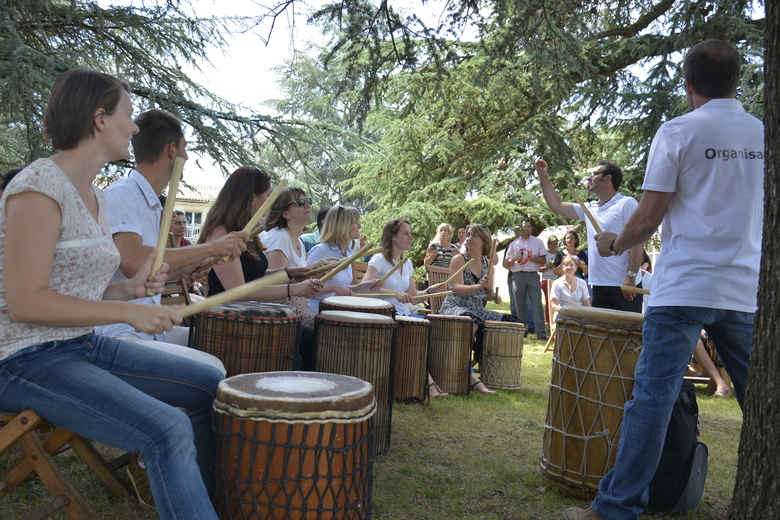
x,y
569,258
338,221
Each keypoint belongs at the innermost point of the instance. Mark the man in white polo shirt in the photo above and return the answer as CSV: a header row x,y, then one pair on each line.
x,y
704,182
611,211
524,258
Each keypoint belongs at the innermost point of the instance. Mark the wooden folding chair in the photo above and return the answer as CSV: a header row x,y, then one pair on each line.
x,y
22,429
358,271
436,275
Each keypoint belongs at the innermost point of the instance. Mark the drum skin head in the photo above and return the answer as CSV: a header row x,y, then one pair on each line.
x,y
295,392
413,320
447,317
605,317
253,310
355,317
357,302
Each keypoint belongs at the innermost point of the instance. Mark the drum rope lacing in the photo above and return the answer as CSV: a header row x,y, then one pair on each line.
x,y
631,344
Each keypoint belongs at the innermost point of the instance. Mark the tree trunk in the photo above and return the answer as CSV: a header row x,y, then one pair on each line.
x,y
757,489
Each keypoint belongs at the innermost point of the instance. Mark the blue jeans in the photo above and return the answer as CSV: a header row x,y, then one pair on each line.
x,y
670,335
124,395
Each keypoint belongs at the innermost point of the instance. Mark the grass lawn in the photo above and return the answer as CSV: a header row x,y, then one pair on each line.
x,y
471,457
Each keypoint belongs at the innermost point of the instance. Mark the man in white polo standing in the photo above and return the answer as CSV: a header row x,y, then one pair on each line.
x,y
704,182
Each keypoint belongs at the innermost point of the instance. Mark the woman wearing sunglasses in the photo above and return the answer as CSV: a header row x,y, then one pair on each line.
x,y
288,216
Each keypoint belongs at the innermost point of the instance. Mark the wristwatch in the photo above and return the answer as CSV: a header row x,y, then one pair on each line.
x,y
612,250
631,274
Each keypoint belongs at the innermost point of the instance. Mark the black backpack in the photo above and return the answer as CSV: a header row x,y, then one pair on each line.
x,y
678,482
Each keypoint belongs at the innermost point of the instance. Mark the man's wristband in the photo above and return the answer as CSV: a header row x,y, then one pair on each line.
x,y
612,249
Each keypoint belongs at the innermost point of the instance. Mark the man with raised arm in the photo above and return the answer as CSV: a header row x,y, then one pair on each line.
x,y
704,182
611,212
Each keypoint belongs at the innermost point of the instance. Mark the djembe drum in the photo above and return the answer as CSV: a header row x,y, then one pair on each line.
x,y
411,358
596,351
358,304
450,357
293,445
502,354
360,345
248,337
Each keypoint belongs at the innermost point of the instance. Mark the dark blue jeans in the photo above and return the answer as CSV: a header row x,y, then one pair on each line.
x,y
669,335
125,395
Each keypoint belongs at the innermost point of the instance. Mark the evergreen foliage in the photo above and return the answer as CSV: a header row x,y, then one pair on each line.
x,y
460,111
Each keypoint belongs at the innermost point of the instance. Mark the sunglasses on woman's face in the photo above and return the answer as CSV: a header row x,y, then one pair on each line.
x,y
299,202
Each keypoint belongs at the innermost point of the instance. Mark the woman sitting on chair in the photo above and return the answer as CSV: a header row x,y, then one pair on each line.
x,y
244,192
397,239
341,227
471,287
58,257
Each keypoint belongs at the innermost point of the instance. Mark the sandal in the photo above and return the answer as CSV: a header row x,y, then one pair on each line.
x,y
440,394
475,386
722,394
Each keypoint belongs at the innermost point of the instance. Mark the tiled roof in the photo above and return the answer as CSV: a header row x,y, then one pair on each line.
x,y
190,193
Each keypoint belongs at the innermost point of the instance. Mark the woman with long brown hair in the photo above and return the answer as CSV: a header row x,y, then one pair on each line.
x,y
397,239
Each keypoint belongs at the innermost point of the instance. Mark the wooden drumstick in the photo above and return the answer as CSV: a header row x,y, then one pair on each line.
x,y
463,267
347,262
251,226
333,265
432,295
394,269
165,220
235,293
634,289
490,261
263,209
585,209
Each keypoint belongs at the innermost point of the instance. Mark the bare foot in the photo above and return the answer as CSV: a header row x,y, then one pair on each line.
x,y
480,387
436,392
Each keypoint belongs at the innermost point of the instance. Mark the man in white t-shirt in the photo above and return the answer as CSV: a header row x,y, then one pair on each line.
x,y
523,259
611,211
704,181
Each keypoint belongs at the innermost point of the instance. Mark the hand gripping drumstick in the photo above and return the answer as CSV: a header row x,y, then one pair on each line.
x,y
634,289
333,265
585,209
253,222
463,267
165,221
394,269
235,293
346,262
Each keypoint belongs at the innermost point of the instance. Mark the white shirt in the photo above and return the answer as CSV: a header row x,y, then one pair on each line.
x,y
712,160
398,281
343,278
278,239
133,207
567,297
612,217
531,248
